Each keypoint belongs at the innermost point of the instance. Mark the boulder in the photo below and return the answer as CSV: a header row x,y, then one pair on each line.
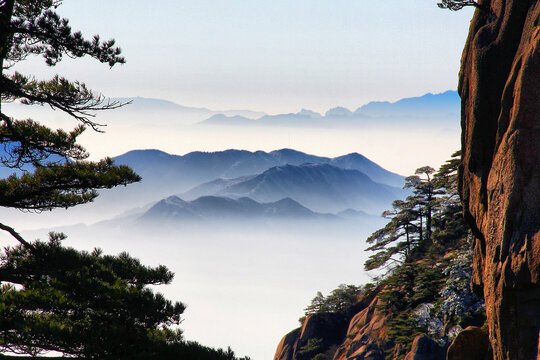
x,y
470,344
425,348
500,172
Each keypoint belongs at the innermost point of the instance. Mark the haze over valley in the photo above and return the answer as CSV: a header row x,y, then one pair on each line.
x,y
251,224
400,136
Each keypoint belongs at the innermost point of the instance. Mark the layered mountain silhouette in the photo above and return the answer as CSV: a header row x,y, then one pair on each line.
x,y
434,107
165,174
142,111
320,187
322,184
349,181
429,105
197,167
215,208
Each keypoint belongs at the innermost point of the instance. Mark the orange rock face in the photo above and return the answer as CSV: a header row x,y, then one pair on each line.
x,y
470,344
366,336
500,173
287,346
425,348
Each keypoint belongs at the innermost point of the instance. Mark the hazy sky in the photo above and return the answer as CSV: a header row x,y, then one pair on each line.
x,y
272,56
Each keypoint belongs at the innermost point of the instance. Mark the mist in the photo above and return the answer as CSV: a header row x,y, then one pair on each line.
x,y
244,282
397,143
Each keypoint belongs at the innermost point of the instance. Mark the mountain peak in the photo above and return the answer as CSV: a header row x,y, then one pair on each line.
x,y
216,208
309,113
338,112
440,105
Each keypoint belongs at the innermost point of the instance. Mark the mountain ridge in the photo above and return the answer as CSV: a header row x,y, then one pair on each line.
x,y
207,208
319,187
234,163
443,106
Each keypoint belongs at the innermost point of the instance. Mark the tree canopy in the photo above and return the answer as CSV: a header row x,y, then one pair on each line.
x,y
457,4
430,216
339,299
53,298
61,177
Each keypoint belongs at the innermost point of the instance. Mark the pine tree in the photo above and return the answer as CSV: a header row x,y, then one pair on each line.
x,y
449,224
54,298
428,215
82,304
55,171
422,185
401,235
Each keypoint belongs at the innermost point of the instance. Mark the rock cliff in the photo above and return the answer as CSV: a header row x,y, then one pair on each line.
x,y
339,336
500,173
320,333
367,335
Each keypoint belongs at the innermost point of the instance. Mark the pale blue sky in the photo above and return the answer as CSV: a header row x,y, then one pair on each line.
x,y
272,55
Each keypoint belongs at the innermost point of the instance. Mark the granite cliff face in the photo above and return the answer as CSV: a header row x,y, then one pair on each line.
x,y
360,333
500,172
319,334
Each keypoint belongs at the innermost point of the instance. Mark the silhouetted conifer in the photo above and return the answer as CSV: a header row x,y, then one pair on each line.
x,y
53,298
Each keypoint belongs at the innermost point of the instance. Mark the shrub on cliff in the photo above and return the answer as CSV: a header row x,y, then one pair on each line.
x,y
339,299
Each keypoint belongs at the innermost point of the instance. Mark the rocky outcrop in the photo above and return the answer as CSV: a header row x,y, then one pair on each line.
x,y
500,172
425,348
367,335
318,334
287,346
470,344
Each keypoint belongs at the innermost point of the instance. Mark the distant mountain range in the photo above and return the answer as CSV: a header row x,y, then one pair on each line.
x,y
222,172
437,108
137,111
222,208
320,187
446,104
321,184
442,107
197,167
430,110
138,104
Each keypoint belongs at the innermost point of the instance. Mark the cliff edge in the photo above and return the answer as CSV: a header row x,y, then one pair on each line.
x,y
500,172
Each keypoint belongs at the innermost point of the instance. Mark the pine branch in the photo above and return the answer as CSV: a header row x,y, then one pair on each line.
x,y
27,142
66,185
73,98
44,32
16,235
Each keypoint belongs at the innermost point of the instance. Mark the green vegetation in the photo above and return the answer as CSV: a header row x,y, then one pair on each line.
x,y
53,298
457,4
426,220
340,299
424,246
425,249
311,346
